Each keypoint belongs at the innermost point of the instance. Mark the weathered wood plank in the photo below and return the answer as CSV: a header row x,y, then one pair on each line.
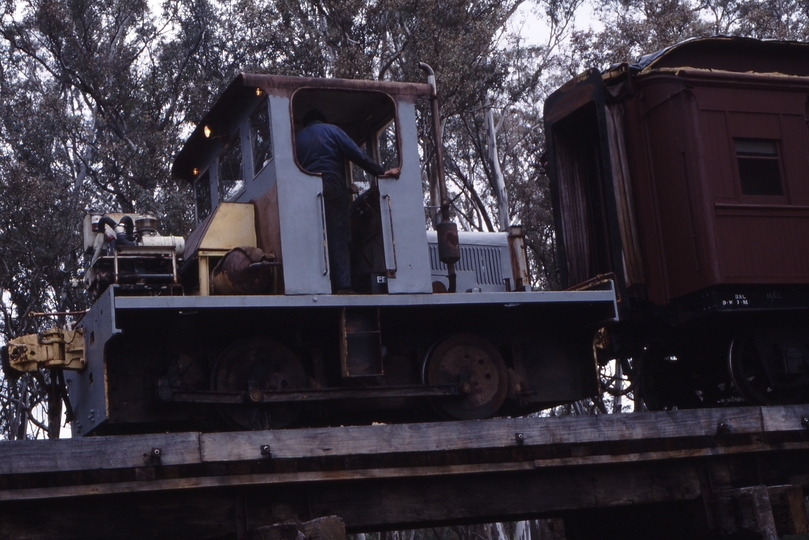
x,y
244,480
785,418
363,504
390,493
156,516
495,498
93,453
788,509
21,457
669,455
324,528
177,484
745,513
482,434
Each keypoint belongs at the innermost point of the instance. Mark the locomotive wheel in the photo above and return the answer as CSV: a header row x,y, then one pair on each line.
x,y
617,377
476,367
259,364
749,374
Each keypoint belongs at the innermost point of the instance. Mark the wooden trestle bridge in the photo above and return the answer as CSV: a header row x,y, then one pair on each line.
x,y
681,474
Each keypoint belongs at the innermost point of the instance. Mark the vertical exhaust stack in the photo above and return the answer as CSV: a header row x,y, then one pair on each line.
x,y
519,259
449,251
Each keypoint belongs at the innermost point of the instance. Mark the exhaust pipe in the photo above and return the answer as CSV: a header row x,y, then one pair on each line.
x,y
448,248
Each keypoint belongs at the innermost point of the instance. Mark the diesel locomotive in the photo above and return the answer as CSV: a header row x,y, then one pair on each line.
x,y
237,327
685,177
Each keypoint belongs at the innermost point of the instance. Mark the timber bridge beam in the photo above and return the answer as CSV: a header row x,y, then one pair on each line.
x,y
691,473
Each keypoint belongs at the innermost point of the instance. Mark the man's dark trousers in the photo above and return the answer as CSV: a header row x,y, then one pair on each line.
x,y
337,201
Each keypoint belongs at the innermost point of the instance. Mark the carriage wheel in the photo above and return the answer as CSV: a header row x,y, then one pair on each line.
x,y
259,365
750,376
476,367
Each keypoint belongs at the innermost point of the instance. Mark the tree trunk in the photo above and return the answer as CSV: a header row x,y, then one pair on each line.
x,y
522,531
501,531
54,407
20,424
497,179
617,403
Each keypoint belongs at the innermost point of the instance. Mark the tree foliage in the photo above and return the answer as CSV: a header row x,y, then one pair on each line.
x,y
631,28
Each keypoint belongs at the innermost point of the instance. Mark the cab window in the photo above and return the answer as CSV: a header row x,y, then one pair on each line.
x,y
388,145
385,151
260,136
202,195
367,117
231,181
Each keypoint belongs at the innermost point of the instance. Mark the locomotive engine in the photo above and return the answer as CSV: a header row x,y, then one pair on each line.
x,y
686,177
127,249
237,326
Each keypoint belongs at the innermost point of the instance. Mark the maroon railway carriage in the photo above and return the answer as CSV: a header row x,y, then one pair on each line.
x,y
687,177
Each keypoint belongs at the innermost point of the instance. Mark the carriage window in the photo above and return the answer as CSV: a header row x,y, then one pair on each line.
x,y
261,137
759,166
202,194
231,182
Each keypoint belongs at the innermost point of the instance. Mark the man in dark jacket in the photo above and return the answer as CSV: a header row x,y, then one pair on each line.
x,y
323,148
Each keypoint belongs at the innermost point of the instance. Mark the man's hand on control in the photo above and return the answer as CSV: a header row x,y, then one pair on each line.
x,y
391,173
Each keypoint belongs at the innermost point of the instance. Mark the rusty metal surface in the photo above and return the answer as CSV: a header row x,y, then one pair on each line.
x,y
268,229
476,367
243,270
518,254
280,82
253,367
360,343
449,250
736,54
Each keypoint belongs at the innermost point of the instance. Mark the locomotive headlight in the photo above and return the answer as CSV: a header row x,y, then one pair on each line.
x,y
206,130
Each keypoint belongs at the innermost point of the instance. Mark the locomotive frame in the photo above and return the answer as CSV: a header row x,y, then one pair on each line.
x,y
237,327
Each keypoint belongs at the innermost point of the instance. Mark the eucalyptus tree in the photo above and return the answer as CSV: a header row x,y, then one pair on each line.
x,y
631,28
89,117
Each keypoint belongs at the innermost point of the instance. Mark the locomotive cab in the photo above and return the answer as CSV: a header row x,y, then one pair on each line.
x,y
244,152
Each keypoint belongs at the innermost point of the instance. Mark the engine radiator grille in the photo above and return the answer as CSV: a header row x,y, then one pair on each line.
x,y
482,260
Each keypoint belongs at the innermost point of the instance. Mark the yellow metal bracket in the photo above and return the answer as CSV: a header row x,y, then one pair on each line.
x,y
54,348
